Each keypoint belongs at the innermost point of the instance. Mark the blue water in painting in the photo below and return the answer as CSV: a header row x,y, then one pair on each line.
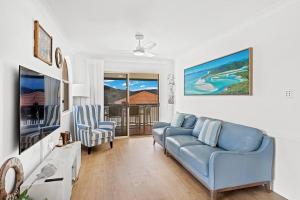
x,y
198,81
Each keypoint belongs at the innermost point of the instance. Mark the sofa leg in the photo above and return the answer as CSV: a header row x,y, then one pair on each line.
x,y
167,153
111,144
268,186
153,142
213,195
89,150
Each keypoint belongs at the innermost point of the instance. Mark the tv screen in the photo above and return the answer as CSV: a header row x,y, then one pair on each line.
x,y
39,107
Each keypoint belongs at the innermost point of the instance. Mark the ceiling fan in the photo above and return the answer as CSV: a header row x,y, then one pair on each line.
x,y
143,50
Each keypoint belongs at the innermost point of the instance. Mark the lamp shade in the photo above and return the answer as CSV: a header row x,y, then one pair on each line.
x,y
80,90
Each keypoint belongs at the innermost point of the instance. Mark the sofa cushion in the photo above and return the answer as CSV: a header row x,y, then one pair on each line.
x,y
235,137
210,132
189,121
177,119
197,157
198,126
173,143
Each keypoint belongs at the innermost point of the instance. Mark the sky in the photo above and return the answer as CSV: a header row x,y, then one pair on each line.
x,y
242,55
32,83
134,85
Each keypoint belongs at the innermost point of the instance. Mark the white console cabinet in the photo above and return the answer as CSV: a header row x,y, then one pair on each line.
x,y
67,160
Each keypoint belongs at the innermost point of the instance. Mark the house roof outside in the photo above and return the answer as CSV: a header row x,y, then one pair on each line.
x,y
31,98
142,97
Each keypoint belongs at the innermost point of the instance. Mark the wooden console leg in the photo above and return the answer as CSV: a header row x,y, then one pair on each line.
x,y
268,187
111,144
89,150
213,195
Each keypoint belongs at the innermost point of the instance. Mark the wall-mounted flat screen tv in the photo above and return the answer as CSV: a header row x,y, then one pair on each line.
x,y
39,107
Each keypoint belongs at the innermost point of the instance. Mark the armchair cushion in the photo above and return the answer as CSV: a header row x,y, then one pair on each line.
x,y
101,133
197,156
175,142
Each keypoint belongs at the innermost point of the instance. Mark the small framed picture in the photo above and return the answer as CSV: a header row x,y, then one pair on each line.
x,y
42,44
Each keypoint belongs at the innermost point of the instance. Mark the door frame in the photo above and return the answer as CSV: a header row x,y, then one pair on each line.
x,y
145,76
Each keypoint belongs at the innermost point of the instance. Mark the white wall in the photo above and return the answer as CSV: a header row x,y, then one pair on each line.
x,y
275,38
126,65
16,22
89,72
163,68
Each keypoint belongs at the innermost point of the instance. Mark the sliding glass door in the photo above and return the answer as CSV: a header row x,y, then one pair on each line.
x,y
132,101
143,103
115,101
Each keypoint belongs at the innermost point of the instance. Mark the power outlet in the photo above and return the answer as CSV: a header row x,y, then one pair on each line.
x,y
288,93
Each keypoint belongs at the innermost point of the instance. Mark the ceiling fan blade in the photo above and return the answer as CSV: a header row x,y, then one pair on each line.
x,y
149,45
149,54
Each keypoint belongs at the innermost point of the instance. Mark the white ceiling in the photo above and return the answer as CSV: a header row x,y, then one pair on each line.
x,y
108,26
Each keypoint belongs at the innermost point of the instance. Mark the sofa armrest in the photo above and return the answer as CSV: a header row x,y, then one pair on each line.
x,y
229,169
171,131
109,125
160,124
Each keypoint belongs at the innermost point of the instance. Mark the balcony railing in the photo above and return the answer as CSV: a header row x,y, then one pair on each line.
x,y
141,117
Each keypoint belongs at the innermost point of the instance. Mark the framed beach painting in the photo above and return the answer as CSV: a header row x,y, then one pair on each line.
x,y
228,75
42,44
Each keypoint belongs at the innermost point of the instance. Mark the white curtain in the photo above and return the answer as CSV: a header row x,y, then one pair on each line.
x,y
94,72
51,89
96,76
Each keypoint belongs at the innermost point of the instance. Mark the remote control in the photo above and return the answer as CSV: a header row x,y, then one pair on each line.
x,y
54,179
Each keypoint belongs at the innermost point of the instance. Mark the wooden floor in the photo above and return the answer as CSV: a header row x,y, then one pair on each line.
x,y
140,131
135,170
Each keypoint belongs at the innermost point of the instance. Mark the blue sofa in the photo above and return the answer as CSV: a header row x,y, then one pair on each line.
x,y
243,156
159,128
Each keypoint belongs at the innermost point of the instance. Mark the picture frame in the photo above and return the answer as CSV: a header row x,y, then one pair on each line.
x,y
228,75
58,58
42,44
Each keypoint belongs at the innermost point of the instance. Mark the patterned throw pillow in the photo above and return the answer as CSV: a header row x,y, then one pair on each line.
x,y
210,132
177,119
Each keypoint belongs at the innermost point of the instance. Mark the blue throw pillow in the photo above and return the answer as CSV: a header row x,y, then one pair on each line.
x,y
177,119
198,126
189,121
210,132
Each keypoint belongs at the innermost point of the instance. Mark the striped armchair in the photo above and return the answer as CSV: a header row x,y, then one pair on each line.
x,y
88,128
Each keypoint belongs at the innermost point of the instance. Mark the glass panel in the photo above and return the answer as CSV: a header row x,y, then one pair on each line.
x,y
143,105
115,102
